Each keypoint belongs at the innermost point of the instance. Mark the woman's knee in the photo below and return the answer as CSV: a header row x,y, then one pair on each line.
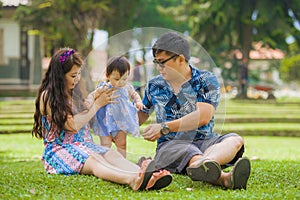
x,y
89,165
112,154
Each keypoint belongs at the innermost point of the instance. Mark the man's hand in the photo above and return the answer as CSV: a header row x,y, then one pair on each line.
x,y
152,132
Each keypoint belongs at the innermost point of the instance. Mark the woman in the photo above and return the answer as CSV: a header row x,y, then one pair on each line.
x,y
62,122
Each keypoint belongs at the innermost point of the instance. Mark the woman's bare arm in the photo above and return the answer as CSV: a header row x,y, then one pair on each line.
x,y
103,98
76,122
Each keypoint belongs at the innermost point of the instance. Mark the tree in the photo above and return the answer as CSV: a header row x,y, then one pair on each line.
x,y
72,22
121,16
129,14
222,26
150,13
65,22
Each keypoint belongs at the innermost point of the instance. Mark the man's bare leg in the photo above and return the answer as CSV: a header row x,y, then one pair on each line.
x,y
207,167
222,152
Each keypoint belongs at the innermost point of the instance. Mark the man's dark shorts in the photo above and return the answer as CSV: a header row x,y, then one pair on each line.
x,y
174,155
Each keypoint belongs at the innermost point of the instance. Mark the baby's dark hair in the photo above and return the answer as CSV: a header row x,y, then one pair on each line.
x,y
119,64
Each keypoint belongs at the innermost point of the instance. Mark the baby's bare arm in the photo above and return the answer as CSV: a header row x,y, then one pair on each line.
x,y
136,98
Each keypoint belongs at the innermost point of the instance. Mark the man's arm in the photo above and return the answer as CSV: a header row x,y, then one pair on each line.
x,y
191,121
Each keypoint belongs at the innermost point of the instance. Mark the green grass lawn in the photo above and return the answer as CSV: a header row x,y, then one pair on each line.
x,y
275,174
245,117
275,160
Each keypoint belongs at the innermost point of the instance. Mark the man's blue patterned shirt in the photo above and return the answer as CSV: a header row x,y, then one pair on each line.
x,y
160,97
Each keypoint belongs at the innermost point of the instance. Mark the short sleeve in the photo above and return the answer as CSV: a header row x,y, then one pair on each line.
x,y
147,100
210,89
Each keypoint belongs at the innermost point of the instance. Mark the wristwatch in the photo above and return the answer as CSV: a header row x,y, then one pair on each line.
x,y
164,129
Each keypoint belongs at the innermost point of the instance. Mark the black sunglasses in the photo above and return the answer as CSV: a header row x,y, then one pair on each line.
x,y
161,64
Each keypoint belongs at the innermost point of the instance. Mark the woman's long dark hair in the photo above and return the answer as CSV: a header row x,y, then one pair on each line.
x,y
55,94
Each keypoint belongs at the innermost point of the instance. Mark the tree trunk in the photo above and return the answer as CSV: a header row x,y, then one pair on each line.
x,y
243,71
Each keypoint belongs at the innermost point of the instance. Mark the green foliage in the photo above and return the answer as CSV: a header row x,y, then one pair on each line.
x,y
64,22
152,13
238,23
120,17
71,22
225,26
290,68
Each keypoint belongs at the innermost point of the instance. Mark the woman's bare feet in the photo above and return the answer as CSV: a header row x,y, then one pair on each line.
x,y
147,177
138,181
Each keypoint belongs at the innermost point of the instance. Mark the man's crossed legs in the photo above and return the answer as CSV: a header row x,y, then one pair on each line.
x,y
207,167
203,160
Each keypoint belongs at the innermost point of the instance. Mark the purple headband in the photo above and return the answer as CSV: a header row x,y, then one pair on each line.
x,y
63,57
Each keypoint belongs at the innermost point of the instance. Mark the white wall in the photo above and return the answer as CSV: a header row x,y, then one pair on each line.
x,y
11,34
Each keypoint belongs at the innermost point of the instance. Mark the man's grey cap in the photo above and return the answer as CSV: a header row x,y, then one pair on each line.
x,y
173,42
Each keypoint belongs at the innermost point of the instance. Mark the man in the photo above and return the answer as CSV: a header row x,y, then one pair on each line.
x,y
184,100
243,77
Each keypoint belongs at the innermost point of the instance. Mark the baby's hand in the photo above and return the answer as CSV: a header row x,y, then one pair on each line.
x,y
139,105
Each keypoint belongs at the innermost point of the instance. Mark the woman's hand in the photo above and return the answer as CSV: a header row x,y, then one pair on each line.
x,y
88,102
102,97
105,96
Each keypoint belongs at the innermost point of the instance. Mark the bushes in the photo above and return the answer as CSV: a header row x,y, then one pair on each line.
x,y
290,69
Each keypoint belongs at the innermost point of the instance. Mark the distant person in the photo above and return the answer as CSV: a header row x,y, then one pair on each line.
x,y
184,99
243,77
62,122
114,121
